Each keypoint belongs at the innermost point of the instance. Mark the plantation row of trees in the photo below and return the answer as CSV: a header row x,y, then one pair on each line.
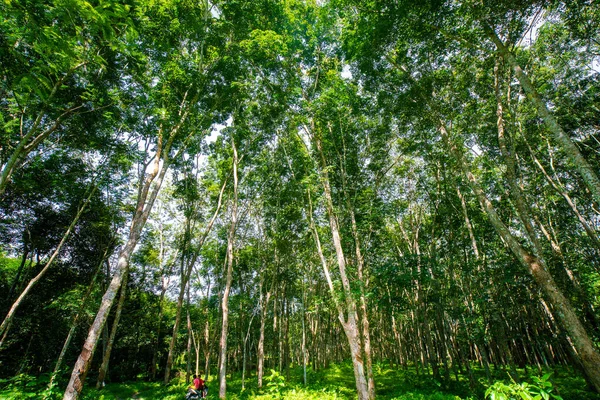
x,y
218,186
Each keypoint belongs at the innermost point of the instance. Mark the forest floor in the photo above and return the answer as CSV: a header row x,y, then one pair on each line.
x,y
336,382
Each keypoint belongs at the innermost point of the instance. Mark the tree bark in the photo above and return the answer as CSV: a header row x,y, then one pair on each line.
x,y
350,321
113,333
304,350
363,308
264,304
190,333
185,278
75,321
145,201
229,277
587,353
177,318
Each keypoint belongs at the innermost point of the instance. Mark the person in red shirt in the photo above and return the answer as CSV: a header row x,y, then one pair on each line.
x,y
199,386
195,388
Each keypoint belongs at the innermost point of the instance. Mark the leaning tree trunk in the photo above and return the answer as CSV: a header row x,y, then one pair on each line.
x,y
146,198
113,333
75,321
586,351
589,175
85,358
350,321
5,326
228,280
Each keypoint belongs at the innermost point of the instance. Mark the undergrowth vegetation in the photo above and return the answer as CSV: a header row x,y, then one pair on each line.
x,y
336,382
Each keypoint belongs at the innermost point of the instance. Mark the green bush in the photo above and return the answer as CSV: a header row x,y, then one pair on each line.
x,y
541,389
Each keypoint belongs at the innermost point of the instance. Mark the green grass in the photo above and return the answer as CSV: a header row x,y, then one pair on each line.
x,y
336,382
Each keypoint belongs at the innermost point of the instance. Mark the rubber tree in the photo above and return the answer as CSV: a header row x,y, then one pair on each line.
x,y
180,105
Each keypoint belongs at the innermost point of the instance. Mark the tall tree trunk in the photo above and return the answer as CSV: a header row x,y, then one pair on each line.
x,y
264,304
196,342
468,223
190,332
363,307
304,350
75,321
183,285
244,351
350,321
206,334
186,272
166,270
113,333
145,201
588,355
229,277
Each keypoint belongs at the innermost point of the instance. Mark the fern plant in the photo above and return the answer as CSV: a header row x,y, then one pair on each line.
x,y
275,383
540,389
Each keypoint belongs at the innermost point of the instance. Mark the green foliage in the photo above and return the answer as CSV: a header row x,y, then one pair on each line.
x,y
335,382
275,383
24,386
541,389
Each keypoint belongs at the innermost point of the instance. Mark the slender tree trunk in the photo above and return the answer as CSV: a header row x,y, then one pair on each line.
x,y
229,277
143,208
185,278
588,355
207,350
166,270
26,240
113,333
264,304
196,342
245,346
363,308
165,286
586,171
468,223
304,350
75,321
177,321
561,190
189,342
5,326
206,335
349,323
